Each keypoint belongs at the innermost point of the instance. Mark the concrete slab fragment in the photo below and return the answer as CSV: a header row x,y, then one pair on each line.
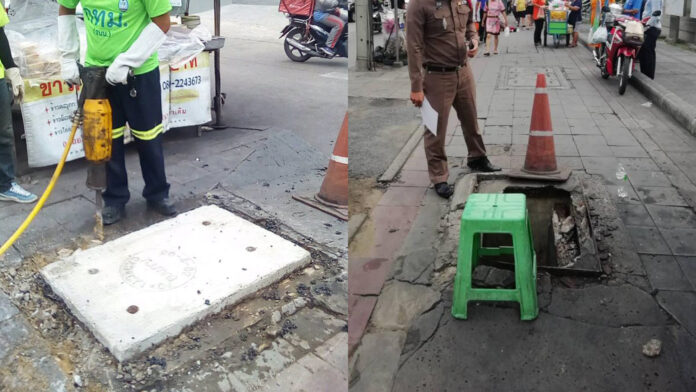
x,y
140,289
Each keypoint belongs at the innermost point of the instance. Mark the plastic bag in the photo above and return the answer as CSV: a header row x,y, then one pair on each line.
x,y
600,35
181,46
507,31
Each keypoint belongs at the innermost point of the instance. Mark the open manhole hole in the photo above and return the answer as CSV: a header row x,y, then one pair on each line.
x,y
561,230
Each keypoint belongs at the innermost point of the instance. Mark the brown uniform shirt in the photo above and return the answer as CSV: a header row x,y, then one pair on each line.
x,y
435,37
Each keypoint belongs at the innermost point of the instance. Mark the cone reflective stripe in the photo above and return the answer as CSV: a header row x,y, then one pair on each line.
x,y
540,161
333,194
541,152
334,190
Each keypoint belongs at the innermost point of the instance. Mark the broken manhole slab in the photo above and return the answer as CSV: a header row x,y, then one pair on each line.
x,y
561,229
519,77
136,291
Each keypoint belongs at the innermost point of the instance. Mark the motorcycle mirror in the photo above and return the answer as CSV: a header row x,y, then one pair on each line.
x,y
657,13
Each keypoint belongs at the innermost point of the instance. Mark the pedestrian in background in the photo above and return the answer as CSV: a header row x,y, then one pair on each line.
x,y
481,7
575,16
495,19
11,84
538,15
519,12
529,13
646,54
441,36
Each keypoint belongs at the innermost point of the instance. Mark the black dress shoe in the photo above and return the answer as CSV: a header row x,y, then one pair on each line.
x,y
112,214
482,165
163,207
443,190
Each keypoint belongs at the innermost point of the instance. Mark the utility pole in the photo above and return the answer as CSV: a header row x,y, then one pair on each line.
x,y
363,35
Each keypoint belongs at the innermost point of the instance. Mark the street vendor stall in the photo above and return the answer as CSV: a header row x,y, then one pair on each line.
x,y
185,72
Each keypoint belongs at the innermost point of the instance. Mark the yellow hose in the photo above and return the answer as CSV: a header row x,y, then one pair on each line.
x,y
47,192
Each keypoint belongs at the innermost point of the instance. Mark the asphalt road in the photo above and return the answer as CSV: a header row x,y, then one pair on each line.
x,y
265,89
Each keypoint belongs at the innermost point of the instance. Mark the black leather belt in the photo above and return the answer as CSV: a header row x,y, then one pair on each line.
x,y
440,68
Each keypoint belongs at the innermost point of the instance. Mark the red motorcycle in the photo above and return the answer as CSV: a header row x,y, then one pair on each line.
x,y
616,57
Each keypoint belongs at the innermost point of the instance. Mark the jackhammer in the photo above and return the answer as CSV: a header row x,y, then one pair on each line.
x,y
94,114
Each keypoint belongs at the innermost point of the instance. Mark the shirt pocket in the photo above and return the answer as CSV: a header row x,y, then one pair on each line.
x,y
442,20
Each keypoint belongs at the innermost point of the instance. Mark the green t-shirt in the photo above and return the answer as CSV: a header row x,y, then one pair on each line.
x,y
113,25
3,21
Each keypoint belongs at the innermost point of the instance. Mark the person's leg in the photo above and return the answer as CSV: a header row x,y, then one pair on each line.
x,y
495,48
538,27
7,170
464,104
439,89
337,26
117,194
488,41
144,115
646,54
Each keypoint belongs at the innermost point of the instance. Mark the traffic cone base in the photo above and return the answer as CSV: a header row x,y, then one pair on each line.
x,y
540,161
333,195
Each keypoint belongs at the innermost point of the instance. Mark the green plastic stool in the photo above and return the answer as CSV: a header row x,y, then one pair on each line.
x,y
496,213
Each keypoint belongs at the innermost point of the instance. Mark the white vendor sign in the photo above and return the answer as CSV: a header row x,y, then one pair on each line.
x,y
47,111
49,105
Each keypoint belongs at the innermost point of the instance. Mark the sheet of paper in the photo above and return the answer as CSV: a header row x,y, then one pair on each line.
x,y
429,116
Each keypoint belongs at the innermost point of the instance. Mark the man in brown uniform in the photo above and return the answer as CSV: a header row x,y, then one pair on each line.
x,y
438,33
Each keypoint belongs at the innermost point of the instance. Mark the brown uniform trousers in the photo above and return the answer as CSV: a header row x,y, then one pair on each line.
x,y
445,90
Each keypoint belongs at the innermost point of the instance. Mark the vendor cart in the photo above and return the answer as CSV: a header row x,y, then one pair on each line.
x,y
557,26
214,45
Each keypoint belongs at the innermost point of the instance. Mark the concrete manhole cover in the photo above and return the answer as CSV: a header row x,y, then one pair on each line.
x,y
518,77
138,290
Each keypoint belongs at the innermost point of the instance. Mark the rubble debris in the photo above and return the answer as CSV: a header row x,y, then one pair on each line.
x,y
303,290
652,348
564,236
275,317
289,309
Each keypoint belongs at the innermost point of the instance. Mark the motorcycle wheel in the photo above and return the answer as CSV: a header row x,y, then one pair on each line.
x,y
293,53
623,80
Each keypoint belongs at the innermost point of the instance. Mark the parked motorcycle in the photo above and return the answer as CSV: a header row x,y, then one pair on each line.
x,y
616,56
304,36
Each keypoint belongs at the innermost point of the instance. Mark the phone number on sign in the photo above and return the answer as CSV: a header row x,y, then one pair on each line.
x,y
185,82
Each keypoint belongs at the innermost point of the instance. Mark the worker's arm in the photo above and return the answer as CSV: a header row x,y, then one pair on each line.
x,y
472,35
415,45
5,52
62,10
163,22
150,39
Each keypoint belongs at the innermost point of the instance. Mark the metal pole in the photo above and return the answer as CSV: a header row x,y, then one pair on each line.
x,y
219,97
397,26
363,35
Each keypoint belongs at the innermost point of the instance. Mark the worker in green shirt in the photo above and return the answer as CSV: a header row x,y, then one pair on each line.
x,y
124,35
9,74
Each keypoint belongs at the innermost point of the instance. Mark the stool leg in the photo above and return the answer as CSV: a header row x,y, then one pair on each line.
x,y
525,272
462,280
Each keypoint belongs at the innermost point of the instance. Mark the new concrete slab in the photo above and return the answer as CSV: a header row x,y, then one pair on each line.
x,y
138,290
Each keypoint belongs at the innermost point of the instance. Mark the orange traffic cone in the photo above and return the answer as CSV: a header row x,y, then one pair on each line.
x,y
540,162
333,195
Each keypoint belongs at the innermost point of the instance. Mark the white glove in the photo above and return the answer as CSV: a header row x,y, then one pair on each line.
x,y
150,39
69,46
16,81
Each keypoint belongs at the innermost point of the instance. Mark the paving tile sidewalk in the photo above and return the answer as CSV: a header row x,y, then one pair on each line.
x,y
410,341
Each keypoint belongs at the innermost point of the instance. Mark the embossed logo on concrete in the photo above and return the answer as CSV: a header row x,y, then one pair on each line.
x,y
157,270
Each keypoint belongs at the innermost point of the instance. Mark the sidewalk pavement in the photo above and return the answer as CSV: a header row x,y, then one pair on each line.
x,y
674,86
590,332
